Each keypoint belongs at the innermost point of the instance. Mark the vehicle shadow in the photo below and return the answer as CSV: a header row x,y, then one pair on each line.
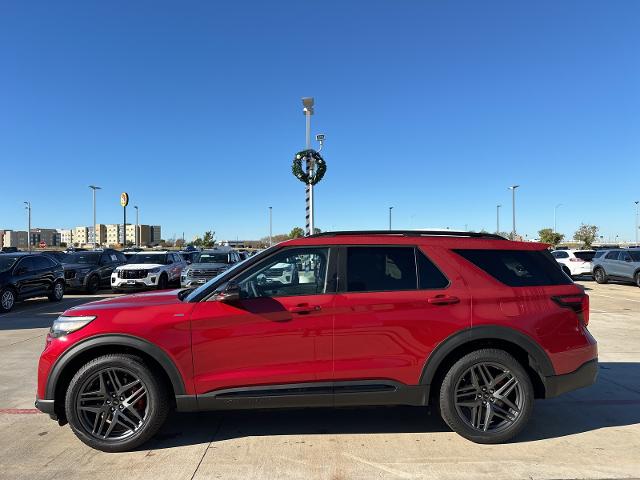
x,y
40,312
612,402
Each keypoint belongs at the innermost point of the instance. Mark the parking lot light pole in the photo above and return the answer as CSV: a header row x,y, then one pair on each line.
x,y
95,233
137,236
28,207
555,216
307,103
513,207
390,208
498,219
636,202
270,226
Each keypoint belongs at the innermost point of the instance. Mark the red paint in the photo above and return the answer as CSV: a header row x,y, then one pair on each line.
x,y
340,336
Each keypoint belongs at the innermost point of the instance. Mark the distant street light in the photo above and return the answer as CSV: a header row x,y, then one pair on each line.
x,y
555,214
390,208
636,202
95,232
28,207
137,235
270,226
513,207
498,219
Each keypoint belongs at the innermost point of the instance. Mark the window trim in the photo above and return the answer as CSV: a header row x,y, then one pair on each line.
x,y
342,269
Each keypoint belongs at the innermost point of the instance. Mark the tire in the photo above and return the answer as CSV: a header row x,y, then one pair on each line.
x,y
163,282
58,292
135,422
7,299
599,276
637,279
93,284
467,416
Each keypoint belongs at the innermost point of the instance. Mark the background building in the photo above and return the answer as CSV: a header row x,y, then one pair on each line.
x,y
66,236
15,238
80,236
102,234
50,236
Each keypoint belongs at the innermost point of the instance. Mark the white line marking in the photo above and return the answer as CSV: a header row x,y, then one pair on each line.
x,y
380,466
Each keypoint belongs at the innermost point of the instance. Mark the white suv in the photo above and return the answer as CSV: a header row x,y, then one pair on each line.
x,y
574,262
148,270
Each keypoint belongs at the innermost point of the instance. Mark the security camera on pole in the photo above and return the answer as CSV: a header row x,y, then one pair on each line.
x,y
314,164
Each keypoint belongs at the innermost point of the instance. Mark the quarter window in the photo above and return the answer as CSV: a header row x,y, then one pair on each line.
x,y
429,276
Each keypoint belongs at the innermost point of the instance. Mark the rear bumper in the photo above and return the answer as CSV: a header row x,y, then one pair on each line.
x,y
583,376
46,406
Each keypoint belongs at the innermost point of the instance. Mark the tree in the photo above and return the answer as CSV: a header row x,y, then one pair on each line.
x,y
547,235
208,241
316,231
179,243
296,232
197,242
586,234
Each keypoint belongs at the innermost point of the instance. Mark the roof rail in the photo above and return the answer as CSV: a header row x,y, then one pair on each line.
x,y
413,233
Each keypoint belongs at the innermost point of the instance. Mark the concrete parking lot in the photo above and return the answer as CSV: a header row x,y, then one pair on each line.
x,y
592,433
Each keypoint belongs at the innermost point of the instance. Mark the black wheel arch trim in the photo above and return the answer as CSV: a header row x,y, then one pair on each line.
x,y
120,340
486,332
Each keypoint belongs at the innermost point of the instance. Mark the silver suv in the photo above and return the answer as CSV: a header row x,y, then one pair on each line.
x,y
619,264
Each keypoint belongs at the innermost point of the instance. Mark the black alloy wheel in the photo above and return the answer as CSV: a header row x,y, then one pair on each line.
x,y
58,292
7,300
487,396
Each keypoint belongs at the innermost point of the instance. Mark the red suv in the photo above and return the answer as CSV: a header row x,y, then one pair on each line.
x,y
473,323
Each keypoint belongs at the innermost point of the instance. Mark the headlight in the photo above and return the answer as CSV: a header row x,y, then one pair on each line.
x,y
65,325
154,270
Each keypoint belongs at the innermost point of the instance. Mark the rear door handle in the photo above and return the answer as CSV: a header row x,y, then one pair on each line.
x,y
304,308
443,300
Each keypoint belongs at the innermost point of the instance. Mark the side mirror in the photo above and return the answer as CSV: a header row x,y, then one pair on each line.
x,y
230,293
188,262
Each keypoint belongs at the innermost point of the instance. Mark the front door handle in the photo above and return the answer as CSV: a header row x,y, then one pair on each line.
x,y
443,300
304,308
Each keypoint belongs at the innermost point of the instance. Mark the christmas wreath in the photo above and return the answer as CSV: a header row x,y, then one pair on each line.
x,y
319,167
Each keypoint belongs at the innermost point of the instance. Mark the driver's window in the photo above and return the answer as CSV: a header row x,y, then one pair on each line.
x,y
292,272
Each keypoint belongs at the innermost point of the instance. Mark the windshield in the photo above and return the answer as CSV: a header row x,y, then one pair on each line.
x,y
6,262
210,257
88,258
159,258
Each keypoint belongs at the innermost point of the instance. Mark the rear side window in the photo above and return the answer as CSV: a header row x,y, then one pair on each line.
x,y
599,253
518,268
559,254
612,256
381,269
586,256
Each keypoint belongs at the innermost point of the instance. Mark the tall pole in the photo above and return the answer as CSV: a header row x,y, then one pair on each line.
x,y
270,226
555,216
498,219
124,227
95,230
308,102
137,235
390,208
513,207
28,207
636,202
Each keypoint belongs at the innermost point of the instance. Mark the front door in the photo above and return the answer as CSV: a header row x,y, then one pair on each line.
x,y
278,333
392,308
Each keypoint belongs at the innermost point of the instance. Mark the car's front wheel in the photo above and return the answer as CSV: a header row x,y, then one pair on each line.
x,y
115,403
7,299
163,282
93,284
638,279
57,293
486,396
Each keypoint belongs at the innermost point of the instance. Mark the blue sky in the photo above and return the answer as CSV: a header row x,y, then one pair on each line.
x,y
432,107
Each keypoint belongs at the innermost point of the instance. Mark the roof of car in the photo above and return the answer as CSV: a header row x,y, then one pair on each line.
x,y
444,238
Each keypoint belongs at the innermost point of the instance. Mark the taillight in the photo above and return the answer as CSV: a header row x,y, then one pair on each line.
x,y
577,303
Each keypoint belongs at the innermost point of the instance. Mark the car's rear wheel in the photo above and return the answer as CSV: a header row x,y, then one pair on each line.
x,y
57,293
7,299
163,282
93,284
599,276
114,403
486,396
638,279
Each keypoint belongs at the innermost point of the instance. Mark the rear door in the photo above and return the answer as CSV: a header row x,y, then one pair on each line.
x,y
394,305
626,265
611,263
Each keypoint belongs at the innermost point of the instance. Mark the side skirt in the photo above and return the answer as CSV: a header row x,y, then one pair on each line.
x,y
314,394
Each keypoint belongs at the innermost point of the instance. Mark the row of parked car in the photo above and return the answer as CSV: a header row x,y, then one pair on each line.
x,y
619,264
50,273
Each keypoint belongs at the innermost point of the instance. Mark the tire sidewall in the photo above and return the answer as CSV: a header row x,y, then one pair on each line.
x,y
13,304
154,397
599,275
54,297
163,282
92,285
447,396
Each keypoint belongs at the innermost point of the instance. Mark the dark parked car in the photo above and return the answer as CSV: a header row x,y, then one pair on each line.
x,y
55,254
25,275
88,271
9,250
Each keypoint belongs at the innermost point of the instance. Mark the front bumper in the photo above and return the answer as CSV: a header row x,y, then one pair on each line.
x,y
46,406
150,281
76,283
188,282
582,377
